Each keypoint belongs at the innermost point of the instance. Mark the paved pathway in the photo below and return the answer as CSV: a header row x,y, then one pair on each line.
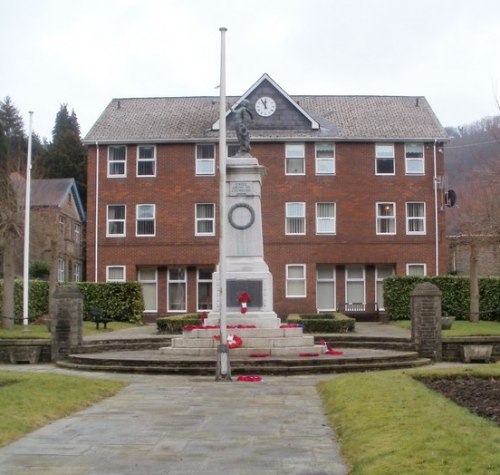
x,y
180,425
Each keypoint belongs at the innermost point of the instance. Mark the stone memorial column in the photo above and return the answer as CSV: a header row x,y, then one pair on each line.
x,y
67,320
426,320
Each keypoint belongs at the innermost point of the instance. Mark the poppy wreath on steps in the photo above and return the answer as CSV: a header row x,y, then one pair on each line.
x,y
232,341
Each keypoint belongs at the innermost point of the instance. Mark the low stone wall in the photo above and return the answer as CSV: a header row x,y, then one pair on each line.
x,y
452,346
25,351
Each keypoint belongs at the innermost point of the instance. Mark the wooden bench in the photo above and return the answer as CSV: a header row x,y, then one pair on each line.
x,y
367,312
97,316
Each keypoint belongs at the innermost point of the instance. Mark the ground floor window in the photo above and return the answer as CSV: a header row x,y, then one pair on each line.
x,y
204,288
296,280
419,270
147,276
60,270
325,288
177,295
77,272
381,273
115,274
355,284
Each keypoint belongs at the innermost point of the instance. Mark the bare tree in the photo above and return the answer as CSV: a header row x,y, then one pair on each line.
x,y
11,232
478,220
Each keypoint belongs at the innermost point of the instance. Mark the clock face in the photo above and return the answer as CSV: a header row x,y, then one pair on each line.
x,y
265,106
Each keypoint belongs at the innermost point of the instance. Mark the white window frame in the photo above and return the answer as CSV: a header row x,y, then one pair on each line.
x,y
411,219
200,161
330,219
109,221
383,217
419,161
289,217
416,265
112,161
326,280
77,272
199,219
61,269
140,160
327,162
77,231
139,220
290,280
176,281
380,154
199,281
116,267
150,282
355,280
62,225
379,280
295,151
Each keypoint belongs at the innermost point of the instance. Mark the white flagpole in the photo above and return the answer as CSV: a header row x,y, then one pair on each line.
x,y
27,210
223,369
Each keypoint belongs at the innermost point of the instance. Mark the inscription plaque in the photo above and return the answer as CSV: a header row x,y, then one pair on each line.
x,y
241,188
252,287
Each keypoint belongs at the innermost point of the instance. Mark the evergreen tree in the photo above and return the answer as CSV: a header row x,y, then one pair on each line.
x,y
66,157
13,142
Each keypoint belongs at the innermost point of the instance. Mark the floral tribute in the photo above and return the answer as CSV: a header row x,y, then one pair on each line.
x,y
328,350
232,341
249,379
305,355
258,355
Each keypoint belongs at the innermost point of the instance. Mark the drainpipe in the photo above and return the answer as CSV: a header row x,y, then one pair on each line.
x,y
436,209
96,223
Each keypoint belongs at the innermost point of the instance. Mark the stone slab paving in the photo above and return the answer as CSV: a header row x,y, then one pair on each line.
x,y
181,425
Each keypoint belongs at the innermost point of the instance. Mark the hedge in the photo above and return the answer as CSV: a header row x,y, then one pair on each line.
x,y
323,322
38,299
455,299
175,323
120,301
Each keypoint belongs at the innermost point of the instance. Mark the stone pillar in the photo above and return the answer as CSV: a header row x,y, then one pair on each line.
x,y
426,320
67,320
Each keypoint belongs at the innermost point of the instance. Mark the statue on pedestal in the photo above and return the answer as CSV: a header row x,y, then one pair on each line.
x,y
241,129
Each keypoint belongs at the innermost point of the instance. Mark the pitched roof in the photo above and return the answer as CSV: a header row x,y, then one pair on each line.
x,y
179,119
50,192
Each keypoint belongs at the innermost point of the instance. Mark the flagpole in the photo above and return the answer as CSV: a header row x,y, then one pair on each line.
x,y
223,365
27,210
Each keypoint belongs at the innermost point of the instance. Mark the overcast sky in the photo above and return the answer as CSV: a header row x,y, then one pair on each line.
x,y
84,53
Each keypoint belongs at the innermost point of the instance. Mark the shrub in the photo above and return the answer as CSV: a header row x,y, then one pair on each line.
x,y
323,322
38,299
119,301
39,270
455,299
175,323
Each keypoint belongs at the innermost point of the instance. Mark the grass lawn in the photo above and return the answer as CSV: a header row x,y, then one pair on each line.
x,y
41,331
462,328
31,400
391,424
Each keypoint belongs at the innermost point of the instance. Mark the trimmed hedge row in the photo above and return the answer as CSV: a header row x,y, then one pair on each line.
x,y
174,324
455,299
119,301
323,322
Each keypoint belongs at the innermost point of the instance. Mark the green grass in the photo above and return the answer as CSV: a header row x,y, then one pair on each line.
x,y
462,328
41,331
31,400
391,424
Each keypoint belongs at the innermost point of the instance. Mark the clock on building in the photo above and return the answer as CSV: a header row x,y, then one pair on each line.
x,y
265,106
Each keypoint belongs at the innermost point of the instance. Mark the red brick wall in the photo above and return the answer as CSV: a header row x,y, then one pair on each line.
x,y
355,188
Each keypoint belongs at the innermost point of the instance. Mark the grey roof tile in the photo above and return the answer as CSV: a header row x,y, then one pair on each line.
x,y
340,117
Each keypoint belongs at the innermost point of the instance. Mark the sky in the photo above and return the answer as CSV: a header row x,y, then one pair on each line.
x,y
85,53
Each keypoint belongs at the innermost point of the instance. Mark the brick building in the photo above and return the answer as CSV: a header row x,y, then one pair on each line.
x,y
351,195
